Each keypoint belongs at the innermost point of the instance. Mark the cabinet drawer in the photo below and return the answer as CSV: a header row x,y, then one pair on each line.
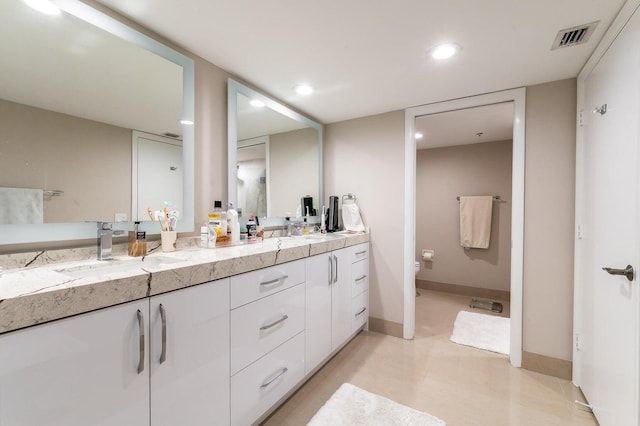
x,y
246,288
359,252
359,277
359,311
256,388
259,327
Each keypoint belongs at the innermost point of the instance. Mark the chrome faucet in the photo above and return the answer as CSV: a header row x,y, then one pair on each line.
x,y
105,240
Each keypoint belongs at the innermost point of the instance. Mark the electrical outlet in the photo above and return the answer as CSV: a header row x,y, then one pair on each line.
x,y
120,217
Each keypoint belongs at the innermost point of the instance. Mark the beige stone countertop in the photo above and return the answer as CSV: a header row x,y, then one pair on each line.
x,y
38,294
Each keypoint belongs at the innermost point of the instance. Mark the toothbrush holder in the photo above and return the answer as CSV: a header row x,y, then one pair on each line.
x,y
168,240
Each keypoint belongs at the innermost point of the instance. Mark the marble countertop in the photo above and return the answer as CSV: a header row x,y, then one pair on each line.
x,y
37,294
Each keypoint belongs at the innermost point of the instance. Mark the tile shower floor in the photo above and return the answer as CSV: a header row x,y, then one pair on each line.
x,y
461,385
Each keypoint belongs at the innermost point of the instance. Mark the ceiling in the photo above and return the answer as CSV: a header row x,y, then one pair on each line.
x,y
466,126
365,57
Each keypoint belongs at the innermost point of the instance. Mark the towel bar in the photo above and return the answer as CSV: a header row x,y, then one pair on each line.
x,y
495,198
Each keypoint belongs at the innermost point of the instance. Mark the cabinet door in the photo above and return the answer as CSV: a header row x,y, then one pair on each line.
x,y
341,298
77,371
190,384
318,310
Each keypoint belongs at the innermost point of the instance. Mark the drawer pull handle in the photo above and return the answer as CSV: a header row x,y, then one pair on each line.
x,y
282,278
273,324
360,253
361,312
361,278
163,317
141,331
276,377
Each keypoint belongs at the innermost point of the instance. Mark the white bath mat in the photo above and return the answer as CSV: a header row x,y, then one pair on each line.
x,y
352,406
482,331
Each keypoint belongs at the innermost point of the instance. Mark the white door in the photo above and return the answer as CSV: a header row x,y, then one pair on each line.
x,y
341,298
84,370
158,173
318,310
609,233
190,383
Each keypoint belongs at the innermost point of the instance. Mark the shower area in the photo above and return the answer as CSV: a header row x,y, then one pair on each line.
x,y
461,156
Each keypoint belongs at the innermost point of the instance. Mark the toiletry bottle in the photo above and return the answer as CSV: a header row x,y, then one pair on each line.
x,y
251,229
204,237
137,244
305,227
213,229
221,215
233,227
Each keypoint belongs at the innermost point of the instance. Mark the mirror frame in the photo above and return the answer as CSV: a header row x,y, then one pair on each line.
x,y
233,89
50,232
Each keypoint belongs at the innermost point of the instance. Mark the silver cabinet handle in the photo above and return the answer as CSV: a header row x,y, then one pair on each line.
x,y
361,278
163,317
361,312
282,278
335,259
330,270
276,377
627,272
141,330
360,253
273,324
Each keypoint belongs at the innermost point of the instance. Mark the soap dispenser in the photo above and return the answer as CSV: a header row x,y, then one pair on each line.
x,y
137,244
234,225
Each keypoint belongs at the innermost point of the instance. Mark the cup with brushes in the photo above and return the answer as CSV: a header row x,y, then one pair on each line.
x,y
168,221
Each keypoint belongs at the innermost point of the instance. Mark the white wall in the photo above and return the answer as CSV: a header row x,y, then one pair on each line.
x,y
365,156
549,219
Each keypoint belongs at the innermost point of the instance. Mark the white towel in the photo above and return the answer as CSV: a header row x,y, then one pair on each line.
x,y
21,206
351,218
475,221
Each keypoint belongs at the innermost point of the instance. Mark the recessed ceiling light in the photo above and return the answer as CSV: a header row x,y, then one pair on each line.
x,y
304,89
186,122
257,103
419,135
44,6
444,51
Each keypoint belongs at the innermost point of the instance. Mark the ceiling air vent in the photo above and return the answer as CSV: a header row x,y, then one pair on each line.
x,y
574,36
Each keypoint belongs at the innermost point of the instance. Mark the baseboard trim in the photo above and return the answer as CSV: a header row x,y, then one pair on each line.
x,y
464,290
550,366
385,327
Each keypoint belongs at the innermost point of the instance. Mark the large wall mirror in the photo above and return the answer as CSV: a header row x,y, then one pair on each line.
x,y
275,156
77,89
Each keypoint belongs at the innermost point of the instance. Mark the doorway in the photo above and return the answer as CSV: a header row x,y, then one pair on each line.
x,y
517,96
462,153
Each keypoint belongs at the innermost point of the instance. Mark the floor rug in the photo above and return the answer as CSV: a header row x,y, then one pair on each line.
x,y
351,406
482,331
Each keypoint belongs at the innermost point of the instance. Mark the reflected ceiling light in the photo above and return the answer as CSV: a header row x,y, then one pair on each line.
x,y
43,6
444,51
186,122
257,103
304,89
419,135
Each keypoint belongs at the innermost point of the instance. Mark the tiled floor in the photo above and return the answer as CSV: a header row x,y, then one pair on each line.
x,y
460,385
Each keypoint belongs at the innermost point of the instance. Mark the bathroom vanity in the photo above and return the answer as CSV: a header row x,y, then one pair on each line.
x,y
196,336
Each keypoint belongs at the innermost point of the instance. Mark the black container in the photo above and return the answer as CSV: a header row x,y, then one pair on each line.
x,y
307,205
332,214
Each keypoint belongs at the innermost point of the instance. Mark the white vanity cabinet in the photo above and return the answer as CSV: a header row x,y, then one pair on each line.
x,y
189,356
103,367
267,338
90,369
331,300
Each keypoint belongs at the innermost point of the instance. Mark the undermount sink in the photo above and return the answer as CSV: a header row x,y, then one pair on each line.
x,y
107,267
327,236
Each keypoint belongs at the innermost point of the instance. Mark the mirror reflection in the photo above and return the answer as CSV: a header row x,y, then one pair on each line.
x,y
72,96
278,156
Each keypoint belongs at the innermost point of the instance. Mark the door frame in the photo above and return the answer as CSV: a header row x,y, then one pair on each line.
x,y
616,27
518,97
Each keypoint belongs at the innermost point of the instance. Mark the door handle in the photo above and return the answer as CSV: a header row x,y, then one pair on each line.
x,y
163,317
627,272
141,344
